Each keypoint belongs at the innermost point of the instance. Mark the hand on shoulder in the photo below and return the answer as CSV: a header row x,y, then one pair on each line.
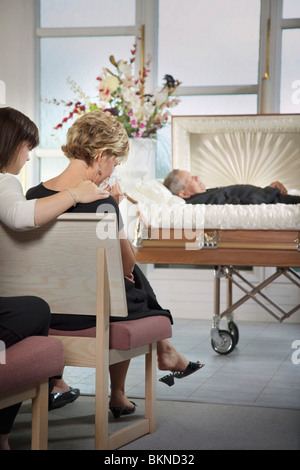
x,y
86,192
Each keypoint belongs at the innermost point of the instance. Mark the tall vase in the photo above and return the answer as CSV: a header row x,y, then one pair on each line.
x,y
140,164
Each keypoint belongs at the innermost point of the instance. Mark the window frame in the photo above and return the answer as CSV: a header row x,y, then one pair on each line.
x,y
143,10
147,14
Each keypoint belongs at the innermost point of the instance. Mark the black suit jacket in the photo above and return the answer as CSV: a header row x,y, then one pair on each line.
x,y
237,194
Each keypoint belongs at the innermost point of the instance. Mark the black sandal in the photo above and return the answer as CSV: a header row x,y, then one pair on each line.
x,y
122,410
191,368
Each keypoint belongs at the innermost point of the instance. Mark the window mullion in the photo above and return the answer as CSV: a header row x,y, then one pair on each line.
x,y
83,32
147,14
275,52
290,23
217,90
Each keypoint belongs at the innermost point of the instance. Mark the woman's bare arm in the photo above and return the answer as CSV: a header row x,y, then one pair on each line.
x,y
127,253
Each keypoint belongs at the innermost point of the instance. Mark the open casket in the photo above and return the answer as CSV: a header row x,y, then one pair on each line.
x,y
226,150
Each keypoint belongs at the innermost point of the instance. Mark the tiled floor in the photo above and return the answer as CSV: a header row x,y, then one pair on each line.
x,y
259,372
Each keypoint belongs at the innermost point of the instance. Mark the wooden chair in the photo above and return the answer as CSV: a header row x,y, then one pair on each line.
x,y
24,375
75,264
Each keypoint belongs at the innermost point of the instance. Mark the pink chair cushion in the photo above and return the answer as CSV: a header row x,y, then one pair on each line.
x,y
129,334
31,360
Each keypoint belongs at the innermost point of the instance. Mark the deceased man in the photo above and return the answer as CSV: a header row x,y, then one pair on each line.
x,y
193,191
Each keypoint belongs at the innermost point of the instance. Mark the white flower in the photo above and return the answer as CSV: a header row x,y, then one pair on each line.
x,y
121,90
125,68
111,83
132,99
160,97
148,110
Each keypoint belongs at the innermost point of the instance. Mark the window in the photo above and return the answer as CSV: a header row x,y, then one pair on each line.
x,y
290,72
72,58
76,40
290,57
76,13
209,42
217,49
216,104
212,47
291,9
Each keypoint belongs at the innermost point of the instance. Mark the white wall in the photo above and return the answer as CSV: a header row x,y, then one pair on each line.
x,y
189,293
18,67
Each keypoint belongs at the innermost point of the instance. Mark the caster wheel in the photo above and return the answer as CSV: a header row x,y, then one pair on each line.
x,y
225,344
233,329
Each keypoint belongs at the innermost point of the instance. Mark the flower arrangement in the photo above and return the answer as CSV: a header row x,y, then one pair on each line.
x,y
122,94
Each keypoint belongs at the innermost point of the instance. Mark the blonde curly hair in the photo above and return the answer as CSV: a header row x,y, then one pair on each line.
x,y
94,132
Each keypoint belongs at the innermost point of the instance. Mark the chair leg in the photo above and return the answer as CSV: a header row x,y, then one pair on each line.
x,y
101,406
150,387
39,436
102,355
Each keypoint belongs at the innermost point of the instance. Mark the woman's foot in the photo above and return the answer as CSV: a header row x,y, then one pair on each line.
x,y
168,358
120,405
119,400
60,386
119,411
62,394
4,444
191,368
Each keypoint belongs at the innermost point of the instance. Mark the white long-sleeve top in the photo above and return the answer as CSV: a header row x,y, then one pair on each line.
x,y
15,211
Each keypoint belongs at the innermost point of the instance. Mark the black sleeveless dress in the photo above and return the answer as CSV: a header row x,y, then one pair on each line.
x,y
141,299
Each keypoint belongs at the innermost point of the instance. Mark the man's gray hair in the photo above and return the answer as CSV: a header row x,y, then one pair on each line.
x,y
174,183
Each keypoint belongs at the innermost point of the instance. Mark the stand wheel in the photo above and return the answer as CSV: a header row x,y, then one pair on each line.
x,y
226,343
232,327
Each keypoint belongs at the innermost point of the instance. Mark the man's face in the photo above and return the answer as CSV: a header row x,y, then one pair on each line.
x,y
193,185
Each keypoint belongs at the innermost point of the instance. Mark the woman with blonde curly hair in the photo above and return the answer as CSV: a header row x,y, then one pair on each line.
x,y
96,143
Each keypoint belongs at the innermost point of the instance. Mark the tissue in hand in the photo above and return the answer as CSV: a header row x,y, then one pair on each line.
x,y
109,181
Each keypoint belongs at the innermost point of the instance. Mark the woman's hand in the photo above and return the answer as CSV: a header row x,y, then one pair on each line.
x,y
127,254
48,208
86,192
130,278
117,192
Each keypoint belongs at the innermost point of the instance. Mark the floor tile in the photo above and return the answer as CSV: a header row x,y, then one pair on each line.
x,y
259,372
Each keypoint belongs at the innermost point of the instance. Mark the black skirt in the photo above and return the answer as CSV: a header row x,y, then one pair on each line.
x,y
141,303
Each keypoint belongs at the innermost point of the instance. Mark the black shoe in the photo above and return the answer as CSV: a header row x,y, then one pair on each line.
x,y
57,400
120,411
191,368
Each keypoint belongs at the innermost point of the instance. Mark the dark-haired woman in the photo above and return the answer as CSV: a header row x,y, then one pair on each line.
x,y
21,317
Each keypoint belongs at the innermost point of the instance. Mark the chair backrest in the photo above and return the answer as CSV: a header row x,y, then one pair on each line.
x,y
58,262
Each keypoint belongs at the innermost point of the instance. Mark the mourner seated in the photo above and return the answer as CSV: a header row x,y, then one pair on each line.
x,y
96,143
